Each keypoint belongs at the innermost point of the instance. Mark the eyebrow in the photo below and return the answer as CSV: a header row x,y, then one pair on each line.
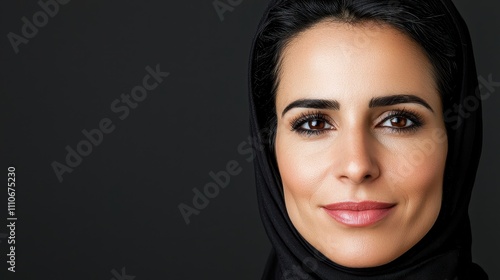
x,y
332,104
313,103
398,99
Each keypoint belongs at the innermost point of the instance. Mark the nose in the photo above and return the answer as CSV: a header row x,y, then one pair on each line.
x,y
357,157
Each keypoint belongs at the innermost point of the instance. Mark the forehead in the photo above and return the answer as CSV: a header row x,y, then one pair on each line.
x,y
360,61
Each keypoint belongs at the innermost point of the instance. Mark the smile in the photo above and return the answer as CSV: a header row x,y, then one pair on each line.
x,y
359,214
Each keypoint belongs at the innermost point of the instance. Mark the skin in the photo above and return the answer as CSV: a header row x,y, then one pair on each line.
x,y
360,155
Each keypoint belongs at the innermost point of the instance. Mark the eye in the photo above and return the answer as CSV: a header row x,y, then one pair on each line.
x,y
312,123
402,121
398,122
315,124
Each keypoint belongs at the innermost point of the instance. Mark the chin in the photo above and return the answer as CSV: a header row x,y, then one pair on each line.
x,y
361,248
364,257
361,260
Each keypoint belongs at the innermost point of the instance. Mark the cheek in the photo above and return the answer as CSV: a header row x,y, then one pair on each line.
x,y
421,161
415,173
300,167
302,178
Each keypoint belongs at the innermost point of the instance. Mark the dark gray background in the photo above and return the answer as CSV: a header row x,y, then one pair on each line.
x,y
119,207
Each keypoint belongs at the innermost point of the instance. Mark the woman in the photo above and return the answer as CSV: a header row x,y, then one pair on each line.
x,y
370,117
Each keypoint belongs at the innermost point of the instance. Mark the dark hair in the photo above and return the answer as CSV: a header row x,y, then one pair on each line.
x,y
423,21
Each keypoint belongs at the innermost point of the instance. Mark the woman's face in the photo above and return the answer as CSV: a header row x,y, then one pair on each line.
x,y
361,143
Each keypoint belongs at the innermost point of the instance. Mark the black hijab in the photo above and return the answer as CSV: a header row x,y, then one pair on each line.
x,y
445,252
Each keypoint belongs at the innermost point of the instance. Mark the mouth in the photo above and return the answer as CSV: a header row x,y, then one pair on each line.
x,y
359,214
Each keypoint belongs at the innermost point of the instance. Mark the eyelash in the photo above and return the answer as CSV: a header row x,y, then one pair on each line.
x,y
299,121
413,116
307,117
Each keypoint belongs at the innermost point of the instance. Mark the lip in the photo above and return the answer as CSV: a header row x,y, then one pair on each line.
x,y
359,214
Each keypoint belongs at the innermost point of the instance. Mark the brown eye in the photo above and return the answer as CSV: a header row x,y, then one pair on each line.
x,y
399,122
402,121
316,124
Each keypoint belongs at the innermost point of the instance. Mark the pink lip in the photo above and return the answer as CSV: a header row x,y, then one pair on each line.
x,y
359,214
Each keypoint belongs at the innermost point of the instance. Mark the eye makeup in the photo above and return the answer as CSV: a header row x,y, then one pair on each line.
x,y
313,123
314,119
408,116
